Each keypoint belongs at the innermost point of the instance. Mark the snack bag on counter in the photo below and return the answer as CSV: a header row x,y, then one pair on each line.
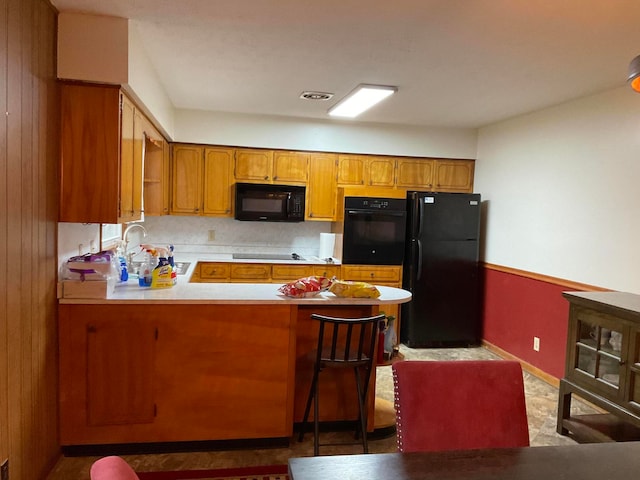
x,y
305,287
343,288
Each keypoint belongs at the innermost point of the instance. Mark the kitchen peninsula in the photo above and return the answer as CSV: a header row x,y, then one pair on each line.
x,y
197,362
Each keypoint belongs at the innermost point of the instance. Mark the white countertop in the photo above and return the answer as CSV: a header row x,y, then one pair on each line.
x,y
185,292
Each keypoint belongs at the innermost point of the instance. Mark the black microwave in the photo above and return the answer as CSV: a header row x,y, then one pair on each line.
x,y
269,203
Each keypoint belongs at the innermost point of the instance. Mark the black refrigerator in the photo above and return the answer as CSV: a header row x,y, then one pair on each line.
x,y
441,270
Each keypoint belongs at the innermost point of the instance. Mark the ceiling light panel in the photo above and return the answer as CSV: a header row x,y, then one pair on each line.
x,y
362,98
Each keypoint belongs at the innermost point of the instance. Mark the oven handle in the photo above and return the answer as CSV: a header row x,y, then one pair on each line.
x,y
369,212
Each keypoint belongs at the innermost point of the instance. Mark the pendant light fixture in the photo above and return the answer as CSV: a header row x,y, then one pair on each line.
x,y
362,98
634,74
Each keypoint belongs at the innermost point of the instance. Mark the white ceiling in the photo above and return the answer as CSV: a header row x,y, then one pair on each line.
x,y
456,63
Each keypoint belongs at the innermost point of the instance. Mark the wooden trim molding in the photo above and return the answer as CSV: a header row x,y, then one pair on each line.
x,y
527,367
545,278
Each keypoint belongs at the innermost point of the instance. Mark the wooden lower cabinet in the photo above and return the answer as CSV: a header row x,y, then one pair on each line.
x,y
160,373
139,373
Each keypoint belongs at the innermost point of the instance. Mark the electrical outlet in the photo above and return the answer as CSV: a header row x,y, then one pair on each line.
x,y
212,235
536,344
4,470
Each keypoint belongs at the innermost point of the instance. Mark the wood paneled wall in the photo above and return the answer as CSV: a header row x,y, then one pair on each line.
x,y
29,151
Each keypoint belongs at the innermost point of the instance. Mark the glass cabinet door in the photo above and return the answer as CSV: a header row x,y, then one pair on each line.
x,y
599,351
634,371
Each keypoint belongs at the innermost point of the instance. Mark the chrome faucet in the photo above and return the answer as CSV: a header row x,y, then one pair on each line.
x,y
125,240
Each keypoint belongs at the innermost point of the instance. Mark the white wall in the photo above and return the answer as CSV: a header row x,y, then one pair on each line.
x,y
218,128
562,191
144,82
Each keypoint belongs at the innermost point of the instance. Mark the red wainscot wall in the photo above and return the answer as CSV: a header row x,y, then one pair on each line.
x,y
520,305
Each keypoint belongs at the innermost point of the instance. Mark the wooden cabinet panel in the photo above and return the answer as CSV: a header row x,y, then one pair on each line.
x,y
290,167
351,170
253,165
156,174
250,272
187,169
101,156
215,271
372,274
381,171
120,367
287,273
454,175
413,173
217,181
328,271
322,188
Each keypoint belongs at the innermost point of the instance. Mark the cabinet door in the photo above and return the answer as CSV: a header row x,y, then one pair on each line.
x,y
413,173
328,271
290,167
632,400
214,272
250,272
127,155
120,371
287,273
594,360
253,165
372,274
138,164
381,171
90,154
131,153
454,175
156,175
217,181
351,169
322,188
187,168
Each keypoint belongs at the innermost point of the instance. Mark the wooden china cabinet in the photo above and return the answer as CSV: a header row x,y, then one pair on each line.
x,y
602,365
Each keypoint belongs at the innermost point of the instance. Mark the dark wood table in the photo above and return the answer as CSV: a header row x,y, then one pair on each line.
x,y
596,461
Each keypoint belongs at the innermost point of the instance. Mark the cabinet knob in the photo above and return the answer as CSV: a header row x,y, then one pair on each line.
x,y
266,177
275,178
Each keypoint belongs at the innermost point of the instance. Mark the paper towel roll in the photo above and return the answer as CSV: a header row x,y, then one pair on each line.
x,y
327,244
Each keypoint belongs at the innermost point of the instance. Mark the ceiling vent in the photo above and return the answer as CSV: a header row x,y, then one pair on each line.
x,y
316,95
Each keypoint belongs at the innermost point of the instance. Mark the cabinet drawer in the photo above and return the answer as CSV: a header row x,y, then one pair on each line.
x,y
328,271
214,271
290,272
250,271
372,274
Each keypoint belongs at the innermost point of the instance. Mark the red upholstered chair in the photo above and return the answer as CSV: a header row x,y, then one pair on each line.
x,y
112,468
458,405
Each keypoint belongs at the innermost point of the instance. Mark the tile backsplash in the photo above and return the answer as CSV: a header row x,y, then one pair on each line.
x,y
226,235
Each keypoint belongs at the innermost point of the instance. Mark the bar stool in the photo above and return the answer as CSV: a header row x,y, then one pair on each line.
x,y
349,343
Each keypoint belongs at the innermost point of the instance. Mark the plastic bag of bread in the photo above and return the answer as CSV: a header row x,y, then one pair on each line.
x,y
343,288
305,287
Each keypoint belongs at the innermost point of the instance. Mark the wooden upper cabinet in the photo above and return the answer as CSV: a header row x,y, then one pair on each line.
x,y
380,171
101,156
218,181
351,170
454,175
321,189
188,170
252,165
290,167
370,171
156,173
414,173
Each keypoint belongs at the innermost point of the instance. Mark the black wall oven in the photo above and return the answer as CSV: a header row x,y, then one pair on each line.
x,y
374,230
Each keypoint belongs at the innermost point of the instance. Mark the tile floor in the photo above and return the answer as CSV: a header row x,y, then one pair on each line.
x,y
541,401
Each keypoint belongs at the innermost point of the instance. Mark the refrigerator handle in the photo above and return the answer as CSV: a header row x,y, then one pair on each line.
x,y
418,265
420,201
